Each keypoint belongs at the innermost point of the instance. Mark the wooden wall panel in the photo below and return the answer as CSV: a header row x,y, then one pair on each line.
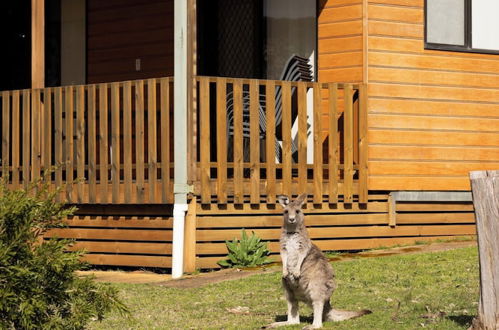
x,y
433,115
340,41
120,32
340,47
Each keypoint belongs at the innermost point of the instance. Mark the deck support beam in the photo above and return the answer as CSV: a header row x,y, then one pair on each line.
x,y
432,196
180,187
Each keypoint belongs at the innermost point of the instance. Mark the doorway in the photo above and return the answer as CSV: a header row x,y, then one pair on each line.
x,y
254,38
15,34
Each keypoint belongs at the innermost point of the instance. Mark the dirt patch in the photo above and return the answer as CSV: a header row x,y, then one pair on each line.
x,y
216,277
135,277
202,279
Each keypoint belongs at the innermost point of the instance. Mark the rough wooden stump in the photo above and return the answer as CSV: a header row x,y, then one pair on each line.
x,y
485,187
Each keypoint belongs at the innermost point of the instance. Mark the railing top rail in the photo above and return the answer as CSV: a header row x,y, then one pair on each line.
x,y
121,83
323,85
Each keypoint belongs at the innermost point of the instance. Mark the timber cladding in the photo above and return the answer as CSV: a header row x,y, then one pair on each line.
x,y
121,31
433,115
340,43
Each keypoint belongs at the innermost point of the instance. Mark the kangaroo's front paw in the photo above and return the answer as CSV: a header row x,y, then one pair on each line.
x,y
295,274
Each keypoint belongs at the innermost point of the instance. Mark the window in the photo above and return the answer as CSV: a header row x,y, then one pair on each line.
x,y
462,25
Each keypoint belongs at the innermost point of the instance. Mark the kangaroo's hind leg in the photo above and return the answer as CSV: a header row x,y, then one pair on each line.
x,y
293,311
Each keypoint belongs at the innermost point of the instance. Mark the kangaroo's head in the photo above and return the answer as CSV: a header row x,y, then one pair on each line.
x,y
293,215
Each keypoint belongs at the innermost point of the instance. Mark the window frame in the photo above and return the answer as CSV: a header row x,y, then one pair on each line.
x,y
467,47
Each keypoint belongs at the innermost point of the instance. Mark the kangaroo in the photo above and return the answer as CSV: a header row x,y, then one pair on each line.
x,y
307,276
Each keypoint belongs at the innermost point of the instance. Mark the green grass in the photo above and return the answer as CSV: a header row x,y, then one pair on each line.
x,y
398,289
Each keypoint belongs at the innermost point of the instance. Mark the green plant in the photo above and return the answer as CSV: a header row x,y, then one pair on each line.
x,y
247,252
38,285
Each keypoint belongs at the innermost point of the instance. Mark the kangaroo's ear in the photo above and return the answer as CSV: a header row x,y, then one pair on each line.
x,y
301,199
283,200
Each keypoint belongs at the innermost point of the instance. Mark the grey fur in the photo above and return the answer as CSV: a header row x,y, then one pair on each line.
x,y
307,275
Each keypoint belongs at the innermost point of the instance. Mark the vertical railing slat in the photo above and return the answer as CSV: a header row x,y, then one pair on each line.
x,y
92,151
318,166
302,138
286,139
204,123
166,193
69,145
238,142
363,192
26,136
80,141
348,144
270,140
152,139
139,139
15,149
127,140
47,129
115,142
103,144
254,143
5,134
35,134
333,143
222,140
58,136
355,138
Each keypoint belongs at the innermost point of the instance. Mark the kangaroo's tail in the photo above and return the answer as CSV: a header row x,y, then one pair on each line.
x,y
340,315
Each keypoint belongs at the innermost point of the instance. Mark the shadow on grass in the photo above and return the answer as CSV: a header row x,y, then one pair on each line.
x,y
462,320
303,319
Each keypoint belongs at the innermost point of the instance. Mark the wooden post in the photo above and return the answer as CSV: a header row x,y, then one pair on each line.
x,y
190,238
37,43
392,211
485,187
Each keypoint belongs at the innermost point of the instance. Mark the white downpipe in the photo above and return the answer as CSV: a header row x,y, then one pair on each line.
x,y
179,211
310,115
180,188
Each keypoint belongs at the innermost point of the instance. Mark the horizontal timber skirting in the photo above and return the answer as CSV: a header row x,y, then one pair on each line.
x,y
121,235
141,235
333,226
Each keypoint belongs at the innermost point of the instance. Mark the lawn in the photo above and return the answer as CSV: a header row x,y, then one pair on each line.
x,y
427,290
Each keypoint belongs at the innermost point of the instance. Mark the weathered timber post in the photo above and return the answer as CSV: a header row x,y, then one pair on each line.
x,y
485,187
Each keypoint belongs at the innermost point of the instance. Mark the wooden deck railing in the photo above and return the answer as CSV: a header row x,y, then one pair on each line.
x,y
252,140
109,143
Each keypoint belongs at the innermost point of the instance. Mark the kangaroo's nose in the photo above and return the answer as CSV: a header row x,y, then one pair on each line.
x,y
291,220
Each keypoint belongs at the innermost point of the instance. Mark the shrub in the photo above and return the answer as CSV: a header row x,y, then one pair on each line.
x,y
248,252
38,285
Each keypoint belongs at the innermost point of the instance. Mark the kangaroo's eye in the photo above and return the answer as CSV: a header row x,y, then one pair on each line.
x,y
298,211
285,211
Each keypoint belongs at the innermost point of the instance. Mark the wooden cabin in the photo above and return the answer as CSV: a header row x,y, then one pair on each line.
x,y
402,102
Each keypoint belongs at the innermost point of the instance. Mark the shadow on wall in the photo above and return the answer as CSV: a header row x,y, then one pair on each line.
x,y
320,6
